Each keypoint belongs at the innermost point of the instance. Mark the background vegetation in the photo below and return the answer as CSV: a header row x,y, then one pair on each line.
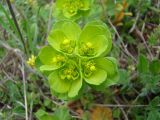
x,y
24,92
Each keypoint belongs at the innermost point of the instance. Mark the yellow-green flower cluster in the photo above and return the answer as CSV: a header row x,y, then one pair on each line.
x,y
72,8
76,55
31,61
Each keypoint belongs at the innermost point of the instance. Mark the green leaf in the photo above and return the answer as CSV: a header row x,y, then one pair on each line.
x,y
63,30
155,67
97,77
62,114
46,56
91,30
124,77
155,102
143,64
109,64
154,115
57,84
70,29
75,87
43,115
12,90
94,30
55,38
63,96
99,43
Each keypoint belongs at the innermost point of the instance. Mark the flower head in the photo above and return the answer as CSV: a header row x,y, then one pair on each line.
x,y
31,61
72,8
75,55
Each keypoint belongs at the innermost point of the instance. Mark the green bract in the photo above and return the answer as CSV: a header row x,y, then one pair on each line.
x,y
72,8
76,55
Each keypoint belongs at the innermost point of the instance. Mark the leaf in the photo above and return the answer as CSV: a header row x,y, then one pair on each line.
x,y
155,67
94,29
99,42
124,77
57,84
62,114
75,87
46,56
43,115
155,102
70,29
55,38
143,64
109,64
154,115
13,91
101,113
97,77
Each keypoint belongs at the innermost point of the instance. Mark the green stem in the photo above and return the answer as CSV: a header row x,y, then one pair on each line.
x,y
80,67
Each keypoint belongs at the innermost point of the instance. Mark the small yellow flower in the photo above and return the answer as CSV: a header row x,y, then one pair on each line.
x,y
31,61
66,42
92,68
89,45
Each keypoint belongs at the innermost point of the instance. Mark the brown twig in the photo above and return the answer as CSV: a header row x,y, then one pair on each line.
x,y
124,113
123,45
123,106
139,33
116,32
18,53
135,23
24,89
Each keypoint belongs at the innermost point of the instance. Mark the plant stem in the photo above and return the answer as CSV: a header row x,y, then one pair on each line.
x,y
16,24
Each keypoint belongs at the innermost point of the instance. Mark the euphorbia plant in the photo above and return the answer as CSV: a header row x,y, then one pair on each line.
x,y
72,9
76,56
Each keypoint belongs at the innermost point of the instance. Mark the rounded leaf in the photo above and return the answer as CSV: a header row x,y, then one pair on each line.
x,y
99,45
64,31
70,29
57,84
46,57
96,32
109,64
97,77
75,87
55,38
